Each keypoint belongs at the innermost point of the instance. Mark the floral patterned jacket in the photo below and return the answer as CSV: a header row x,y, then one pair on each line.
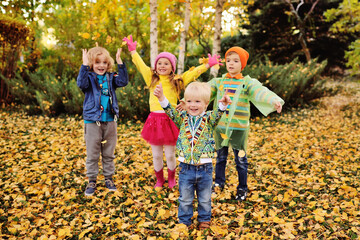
x,y
195,140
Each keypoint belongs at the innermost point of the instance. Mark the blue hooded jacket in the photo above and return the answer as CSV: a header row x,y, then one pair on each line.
x,y
88,83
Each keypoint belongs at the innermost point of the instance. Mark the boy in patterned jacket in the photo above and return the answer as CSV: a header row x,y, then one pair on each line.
x,y
195,148
233,128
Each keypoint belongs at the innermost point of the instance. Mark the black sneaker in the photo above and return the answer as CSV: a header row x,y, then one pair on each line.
x,y
110,185
241,195
90,189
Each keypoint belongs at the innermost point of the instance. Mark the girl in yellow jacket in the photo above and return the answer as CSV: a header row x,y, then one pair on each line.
x,y
159,130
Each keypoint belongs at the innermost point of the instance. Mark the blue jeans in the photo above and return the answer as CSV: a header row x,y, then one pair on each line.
x,y
241,167
195,178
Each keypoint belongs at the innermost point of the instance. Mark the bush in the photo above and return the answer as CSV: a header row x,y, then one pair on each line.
x,y
295,82
42,92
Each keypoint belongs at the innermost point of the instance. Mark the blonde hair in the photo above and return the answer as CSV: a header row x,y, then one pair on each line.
x,y
93,54
198,89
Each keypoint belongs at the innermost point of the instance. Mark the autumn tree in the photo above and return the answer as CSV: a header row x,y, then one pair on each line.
x,y
217,33
300,23
347,17
183,34
153,32
14,35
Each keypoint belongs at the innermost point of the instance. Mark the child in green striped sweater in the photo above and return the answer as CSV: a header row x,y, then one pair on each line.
x,y
233,128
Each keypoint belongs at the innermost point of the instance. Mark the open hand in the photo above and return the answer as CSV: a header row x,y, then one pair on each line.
x,y
118,58
158,92
213,60
181,106
130,43
85,57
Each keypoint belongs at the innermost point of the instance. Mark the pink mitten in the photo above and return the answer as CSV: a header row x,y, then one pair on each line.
x,y
213,60
130,43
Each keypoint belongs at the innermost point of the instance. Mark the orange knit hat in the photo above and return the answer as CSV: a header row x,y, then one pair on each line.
x,y
243,54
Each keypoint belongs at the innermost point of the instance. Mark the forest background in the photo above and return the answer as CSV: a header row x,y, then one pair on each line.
x,y
305,51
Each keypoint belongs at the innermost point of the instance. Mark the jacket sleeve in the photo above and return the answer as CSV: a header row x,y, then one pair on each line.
x,y
215,117
262,97
214,89
121,79
83,78
174,115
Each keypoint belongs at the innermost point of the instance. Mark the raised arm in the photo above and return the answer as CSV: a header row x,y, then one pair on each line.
x,y
137,60
82,80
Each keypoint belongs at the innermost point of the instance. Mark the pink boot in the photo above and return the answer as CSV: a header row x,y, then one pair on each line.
x,y
171,178
160,178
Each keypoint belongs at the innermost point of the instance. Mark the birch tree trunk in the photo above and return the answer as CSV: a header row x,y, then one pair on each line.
x,y
153,32
182,51
217,33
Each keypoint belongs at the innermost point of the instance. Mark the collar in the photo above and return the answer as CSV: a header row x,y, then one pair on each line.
x,y
237,76
197,116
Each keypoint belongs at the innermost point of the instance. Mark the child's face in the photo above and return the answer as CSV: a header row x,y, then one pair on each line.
x,y
233,63
195,105
100,65
163,66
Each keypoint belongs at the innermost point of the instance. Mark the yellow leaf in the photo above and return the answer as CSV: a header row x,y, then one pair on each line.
x,y
85,35
224,136
242,153
221,87
216,66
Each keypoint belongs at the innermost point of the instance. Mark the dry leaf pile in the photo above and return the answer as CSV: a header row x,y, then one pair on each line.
x,y
304,180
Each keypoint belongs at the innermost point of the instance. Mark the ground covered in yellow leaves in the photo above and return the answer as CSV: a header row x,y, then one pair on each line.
x,y
304,180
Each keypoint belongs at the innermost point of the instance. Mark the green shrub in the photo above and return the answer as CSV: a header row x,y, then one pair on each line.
x,y
42,92
295,82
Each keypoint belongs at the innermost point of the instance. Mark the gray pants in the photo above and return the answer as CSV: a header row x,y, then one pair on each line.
x,y
94,135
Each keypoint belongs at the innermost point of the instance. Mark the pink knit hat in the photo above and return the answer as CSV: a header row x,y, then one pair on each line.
x,y
169,56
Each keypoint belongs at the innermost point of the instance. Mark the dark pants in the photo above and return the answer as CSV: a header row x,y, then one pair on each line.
x,y
241,167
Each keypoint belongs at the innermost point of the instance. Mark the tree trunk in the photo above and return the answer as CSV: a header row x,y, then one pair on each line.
x,y
182,51
217,33
153,32
301,25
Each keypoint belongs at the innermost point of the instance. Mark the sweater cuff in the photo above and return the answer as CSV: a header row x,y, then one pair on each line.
x,y
222,106
164,103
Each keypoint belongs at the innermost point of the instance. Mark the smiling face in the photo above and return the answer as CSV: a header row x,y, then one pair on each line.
x,y
163,66
101,64
233,63
195,105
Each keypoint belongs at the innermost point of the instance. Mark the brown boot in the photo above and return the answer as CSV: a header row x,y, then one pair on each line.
x,y
204,225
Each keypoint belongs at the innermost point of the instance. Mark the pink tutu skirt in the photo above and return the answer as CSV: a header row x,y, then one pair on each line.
x,y
159,129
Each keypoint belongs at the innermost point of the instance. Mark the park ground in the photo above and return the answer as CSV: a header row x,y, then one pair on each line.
x,y
303,179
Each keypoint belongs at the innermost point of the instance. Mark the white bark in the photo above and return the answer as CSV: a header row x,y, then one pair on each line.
x,y
183,34
217,33
153,32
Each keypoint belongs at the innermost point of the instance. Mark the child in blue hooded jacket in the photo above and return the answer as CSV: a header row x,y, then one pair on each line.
x,y
100,112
